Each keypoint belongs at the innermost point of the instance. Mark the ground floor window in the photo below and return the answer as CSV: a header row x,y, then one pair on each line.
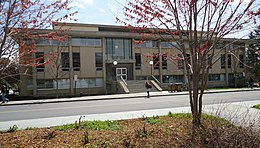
x,y
80,83
173,79
216,77
65,83
43,84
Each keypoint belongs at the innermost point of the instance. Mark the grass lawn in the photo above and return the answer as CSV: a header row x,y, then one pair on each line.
x,y
172,130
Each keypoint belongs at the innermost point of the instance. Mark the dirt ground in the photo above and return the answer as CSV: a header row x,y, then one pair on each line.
x,y
167,132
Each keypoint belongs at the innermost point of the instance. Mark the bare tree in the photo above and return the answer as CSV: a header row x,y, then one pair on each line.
x,y
199,23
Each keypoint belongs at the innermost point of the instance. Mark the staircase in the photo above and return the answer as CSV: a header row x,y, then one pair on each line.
x,y
136,86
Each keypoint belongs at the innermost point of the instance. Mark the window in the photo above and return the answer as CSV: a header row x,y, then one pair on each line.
x,y
39,61
76,61
156,62
210,61
137,61
219,45
180,61
52,42
229,60
223,60
170,45
86,42
65,61
118,48
241,61
42,84
164,61
216,77
99,61
188,58
147,44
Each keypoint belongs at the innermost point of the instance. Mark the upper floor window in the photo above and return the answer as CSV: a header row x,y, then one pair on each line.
x,y
99,61
66,64
138,61
156,61
169,45
65,61
147,44
118,48
210,58
76,61
86,42
164,61
229,61
180,61
223,61
219,45
241,61
52,42
39,61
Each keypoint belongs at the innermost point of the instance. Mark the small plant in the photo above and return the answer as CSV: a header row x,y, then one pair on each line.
x,y
12,129
257,106
154,120
143,132
86,137
48,134
77,123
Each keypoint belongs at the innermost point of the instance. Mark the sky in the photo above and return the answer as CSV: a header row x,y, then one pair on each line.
x,y
105,11
98,11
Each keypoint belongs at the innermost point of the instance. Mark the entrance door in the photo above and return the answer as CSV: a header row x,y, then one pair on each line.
x,y
121,72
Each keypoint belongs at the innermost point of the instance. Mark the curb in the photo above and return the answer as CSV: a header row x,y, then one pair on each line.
x,y
77,99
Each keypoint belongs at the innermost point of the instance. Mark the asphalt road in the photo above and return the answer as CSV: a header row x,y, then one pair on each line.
x,y
63,109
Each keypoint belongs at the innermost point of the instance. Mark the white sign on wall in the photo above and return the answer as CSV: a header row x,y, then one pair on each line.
x,y
75,77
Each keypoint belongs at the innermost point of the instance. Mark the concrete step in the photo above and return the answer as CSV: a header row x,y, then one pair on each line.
x,y
136,86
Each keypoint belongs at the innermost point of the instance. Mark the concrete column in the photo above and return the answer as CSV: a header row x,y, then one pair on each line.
x,y
226,65
133,57
71,68
34,78
103,42
160,61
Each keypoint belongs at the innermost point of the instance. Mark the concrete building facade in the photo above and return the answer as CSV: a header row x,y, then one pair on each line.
x,y
95,57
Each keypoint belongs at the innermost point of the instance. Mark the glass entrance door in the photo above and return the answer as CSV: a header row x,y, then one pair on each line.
x,y
121,72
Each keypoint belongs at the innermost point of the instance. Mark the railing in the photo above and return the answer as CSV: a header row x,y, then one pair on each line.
x,y
157,81
121,77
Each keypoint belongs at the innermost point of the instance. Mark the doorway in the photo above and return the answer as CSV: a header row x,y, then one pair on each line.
x,y
121,72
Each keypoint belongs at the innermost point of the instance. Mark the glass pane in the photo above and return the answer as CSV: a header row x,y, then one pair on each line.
x,y
118,71
123,71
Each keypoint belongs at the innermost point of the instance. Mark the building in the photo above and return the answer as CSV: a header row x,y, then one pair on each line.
x,y
99,59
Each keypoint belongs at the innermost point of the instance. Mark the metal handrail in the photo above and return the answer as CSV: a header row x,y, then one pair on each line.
x,y
157,81
121,77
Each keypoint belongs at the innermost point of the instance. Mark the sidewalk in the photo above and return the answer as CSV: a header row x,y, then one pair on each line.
x,y
119,96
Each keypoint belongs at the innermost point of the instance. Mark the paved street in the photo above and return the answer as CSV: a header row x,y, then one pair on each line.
x,y
48,114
